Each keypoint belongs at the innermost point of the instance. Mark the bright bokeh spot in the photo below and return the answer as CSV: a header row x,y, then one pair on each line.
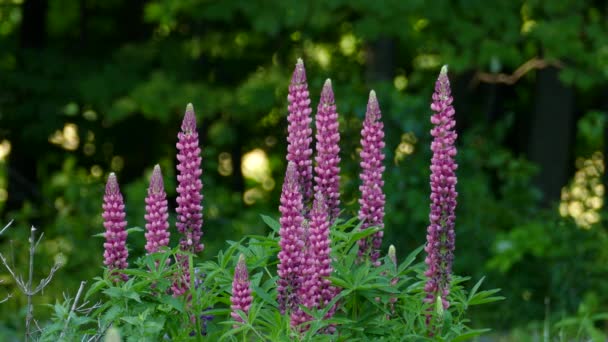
x,y
96,171
5,149
224,165
348,44
255,165
420,24
400,82
583,199
252,195
426,61
67,138
405,147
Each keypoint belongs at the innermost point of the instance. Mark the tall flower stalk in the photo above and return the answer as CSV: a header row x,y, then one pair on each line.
x,y
440,235
241,290
115,254
291,241
299,138
327,170
189,199
372,199
316,291
157,216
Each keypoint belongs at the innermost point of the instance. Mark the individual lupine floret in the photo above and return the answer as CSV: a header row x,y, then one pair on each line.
x,y
372,198
241,290
316,291
115,248
327,169
291,241
157,216
440,235
189,199
299,137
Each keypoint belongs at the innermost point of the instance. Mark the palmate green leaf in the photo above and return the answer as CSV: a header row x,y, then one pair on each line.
x,y
271,223
96,287
475,288
132,320
259,292
173,302
409,260
484,297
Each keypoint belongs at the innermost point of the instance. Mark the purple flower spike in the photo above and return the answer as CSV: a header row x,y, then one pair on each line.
x,y
299,136
189,199
241,290
316,290
291,241
157,224
440,235
327,170
115,254
372,198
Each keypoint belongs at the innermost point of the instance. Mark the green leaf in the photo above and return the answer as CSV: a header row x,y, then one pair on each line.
x,y
134,230
485,297
98,285
475,288
272,223
131,320
265,296
470,334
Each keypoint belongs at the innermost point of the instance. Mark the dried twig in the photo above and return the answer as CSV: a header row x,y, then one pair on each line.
x,y
6,227
10,295
534,63
26,287
67,321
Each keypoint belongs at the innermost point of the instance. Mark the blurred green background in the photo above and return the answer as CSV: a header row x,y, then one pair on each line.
x,y
89,87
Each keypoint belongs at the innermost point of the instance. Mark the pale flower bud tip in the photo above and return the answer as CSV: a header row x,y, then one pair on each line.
x,y
372,95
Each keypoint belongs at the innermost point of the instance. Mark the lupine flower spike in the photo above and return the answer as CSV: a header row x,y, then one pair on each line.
x,y
157,224
440,235
189,199
291,242
327,170
241,290
299,137
372,198
115,254
316,290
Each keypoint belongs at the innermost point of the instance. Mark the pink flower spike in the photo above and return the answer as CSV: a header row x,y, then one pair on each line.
x,y
327,170
299,136
372,198
241,290
189,197
157,216
115,254
440,234
291,241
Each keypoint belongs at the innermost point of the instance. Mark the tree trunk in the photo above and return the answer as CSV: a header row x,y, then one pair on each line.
x,y
549,145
